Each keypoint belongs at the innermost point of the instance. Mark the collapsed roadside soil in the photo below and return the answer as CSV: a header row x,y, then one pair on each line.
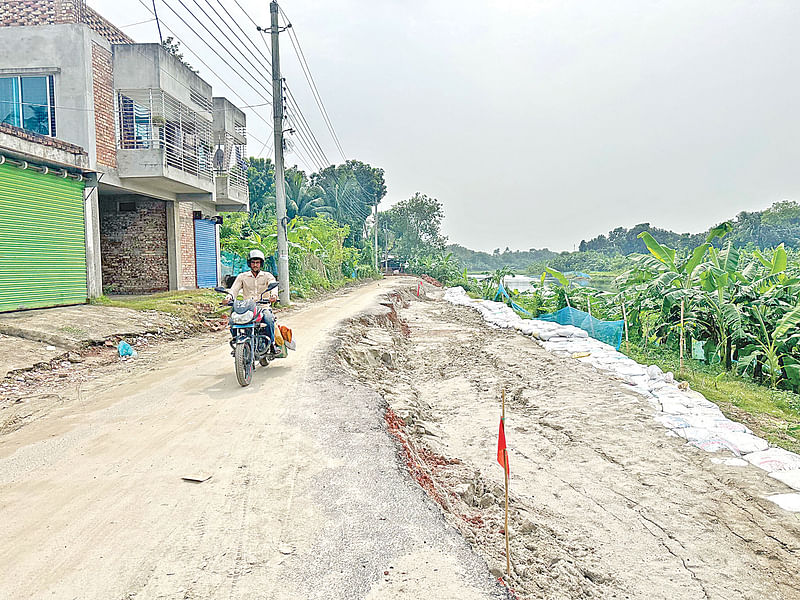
x,y
603,504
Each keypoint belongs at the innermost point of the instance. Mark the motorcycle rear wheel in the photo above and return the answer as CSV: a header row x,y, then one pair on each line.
x,y
243,360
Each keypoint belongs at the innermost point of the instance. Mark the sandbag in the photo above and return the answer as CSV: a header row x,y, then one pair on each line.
x,y
790,478
774,459
790,502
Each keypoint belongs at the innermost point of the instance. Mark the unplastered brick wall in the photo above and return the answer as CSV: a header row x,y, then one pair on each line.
x,y
103,78
188,268
19,13
133,245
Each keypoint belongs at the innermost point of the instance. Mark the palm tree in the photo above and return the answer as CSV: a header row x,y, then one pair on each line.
x,y
338,192
302,199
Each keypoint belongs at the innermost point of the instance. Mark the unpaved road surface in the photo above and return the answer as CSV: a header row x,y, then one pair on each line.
x,y
603,504
306,498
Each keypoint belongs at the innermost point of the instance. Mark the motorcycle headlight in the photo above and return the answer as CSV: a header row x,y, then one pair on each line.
x,y
242,318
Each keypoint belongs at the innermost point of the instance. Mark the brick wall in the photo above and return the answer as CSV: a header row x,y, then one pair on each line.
x,y
44,140
19,13
188,278
133,246
103,78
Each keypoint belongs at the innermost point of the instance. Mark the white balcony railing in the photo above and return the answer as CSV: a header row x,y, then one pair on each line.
x,y
152,119
230,160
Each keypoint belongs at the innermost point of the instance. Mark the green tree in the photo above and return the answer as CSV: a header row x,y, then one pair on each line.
x,y
413,227
303,199
261,183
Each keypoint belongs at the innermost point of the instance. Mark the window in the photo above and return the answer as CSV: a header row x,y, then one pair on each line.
x,y
135,123
27,102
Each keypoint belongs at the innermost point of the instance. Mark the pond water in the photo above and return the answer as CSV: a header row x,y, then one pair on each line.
x,y
521,283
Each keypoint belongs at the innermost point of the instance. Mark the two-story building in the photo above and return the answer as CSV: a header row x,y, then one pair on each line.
x,y
167,156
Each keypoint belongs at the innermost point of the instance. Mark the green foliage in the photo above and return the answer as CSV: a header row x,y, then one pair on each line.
x,y
411,229
261,184
348,192
327,214
173,46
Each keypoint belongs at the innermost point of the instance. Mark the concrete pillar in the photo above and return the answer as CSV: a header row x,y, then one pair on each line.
x,y
174,244
94,265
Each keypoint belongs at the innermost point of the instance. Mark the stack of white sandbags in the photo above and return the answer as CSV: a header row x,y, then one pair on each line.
x,y
685,413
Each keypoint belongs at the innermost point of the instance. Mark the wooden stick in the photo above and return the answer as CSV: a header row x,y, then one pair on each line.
x,y
681,341
505,474
625,321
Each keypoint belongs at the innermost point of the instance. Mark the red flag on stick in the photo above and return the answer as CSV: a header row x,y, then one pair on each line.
x,y
502,454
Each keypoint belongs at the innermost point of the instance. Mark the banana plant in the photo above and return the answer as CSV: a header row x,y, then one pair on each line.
x,y
561,278
769,348
719,277
675,278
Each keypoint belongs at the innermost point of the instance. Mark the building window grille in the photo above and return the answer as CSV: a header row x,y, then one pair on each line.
x,y
154,119
28,103
230,160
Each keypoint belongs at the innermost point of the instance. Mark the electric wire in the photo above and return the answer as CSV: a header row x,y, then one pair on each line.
x,y
202,39
244,33
311,82
224,47
292,102
266,69
213,72
299,131
256,25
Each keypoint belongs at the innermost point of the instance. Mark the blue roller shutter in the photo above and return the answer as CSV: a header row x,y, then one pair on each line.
x,y
205,252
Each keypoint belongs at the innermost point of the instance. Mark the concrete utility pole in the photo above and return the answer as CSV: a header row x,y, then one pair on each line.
x,y
280,192
376,237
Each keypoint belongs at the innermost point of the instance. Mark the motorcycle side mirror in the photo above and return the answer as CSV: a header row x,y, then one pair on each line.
x,y
272,286
220,289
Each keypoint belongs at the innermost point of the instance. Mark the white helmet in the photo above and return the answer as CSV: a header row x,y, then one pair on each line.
x,y
256,254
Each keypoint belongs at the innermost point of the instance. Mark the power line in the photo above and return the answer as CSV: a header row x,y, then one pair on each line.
x,y
244,33
296,107
242,54
301,134
256,25
197,56
312,84
202,39
137,23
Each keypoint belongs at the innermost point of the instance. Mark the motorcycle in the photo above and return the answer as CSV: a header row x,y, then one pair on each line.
x,y
249,338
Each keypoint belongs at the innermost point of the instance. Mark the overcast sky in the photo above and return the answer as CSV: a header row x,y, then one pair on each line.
x,y
541,123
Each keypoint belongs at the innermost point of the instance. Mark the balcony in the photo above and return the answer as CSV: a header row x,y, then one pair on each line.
x,y
163,140
230,156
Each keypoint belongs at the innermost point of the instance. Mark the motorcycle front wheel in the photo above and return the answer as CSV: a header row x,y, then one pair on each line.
x,y
243,360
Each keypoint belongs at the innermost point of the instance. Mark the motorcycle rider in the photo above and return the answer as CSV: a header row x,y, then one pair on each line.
x,y
252,284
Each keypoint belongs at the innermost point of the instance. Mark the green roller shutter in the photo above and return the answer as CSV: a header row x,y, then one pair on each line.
x,y
42,248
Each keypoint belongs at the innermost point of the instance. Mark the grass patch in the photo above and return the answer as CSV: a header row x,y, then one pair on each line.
x,y
193,306
771,414
70,330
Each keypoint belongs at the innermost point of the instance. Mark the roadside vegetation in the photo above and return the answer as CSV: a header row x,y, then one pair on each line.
x,y
725,319
194,307
328,227
720,309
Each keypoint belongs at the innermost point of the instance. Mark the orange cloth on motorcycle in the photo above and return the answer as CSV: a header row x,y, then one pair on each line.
x,y
252,287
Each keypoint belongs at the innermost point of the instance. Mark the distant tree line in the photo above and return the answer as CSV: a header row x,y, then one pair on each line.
x,y
778,224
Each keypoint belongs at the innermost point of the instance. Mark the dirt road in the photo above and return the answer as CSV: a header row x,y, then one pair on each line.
x,y
306,496
603,504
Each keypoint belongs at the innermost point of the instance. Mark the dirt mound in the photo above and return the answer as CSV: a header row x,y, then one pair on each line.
x,y
601,506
